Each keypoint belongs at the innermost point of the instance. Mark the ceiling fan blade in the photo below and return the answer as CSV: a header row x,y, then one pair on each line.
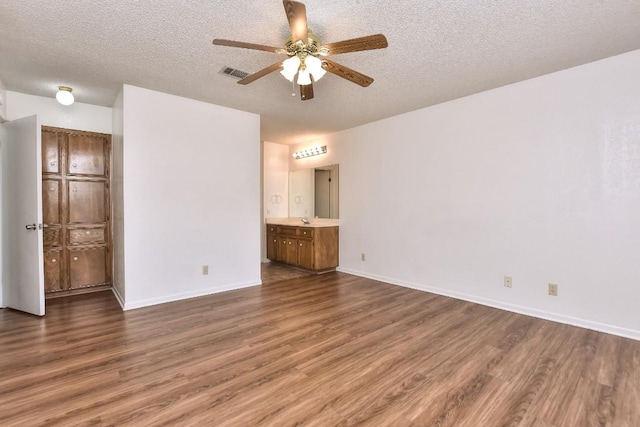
x,y
297,16
233,43
306,92
255,76
346,73
376,41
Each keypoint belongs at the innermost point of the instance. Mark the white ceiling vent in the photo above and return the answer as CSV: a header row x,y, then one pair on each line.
x,y
234,73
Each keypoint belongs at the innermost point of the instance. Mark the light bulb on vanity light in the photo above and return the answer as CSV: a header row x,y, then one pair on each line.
x,y
64,95
309,152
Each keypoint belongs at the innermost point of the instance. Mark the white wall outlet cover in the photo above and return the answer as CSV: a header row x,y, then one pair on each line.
x,y
508,281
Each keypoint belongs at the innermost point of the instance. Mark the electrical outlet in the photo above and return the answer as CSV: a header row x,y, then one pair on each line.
x,y
205,270
508,281
553,289
362,256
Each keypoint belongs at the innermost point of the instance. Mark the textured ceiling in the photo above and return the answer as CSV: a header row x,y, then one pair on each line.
x,y
438,50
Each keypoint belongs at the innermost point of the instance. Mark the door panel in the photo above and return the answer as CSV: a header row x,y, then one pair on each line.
x,y
86,155
86,202
87,267
22,265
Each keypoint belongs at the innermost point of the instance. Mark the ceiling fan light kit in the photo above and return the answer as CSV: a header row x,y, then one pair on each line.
x,y
305,49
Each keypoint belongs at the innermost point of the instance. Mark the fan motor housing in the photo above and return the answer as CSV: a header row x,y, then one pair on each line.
x,y
312,47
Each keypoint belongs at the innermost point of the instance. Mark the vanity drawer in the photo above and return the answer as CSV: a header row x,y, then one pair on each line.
x,y
305,232
272,229
81,236
287,231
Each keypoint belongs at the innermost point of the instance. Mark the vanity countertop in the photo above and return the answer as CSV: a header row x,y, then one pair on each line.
x,y
314,222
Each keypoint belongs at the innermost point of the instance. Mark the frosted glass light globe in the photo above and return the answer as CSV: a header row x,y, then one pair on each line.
x,y
64,95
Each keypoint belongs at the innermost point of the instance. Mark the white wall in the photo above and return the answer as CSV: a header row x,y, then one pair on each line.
x,y
275,172
539,180
3,115
78,116
117,198
3,102
191,197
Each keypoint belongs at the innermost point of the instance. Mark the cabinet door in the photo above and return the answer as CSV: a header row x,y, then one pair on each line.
x,y
86,155
53,270
51,202
87,202
282,249
86,236
87,267
272,247
291,252
305,254
50,152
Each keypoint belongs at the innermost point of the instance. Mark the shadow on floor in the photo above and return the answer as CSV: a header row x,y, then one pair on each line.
x,y
272,273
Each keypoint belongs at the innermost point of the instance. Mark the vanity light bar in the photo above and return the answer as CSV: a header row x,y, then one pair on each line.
x,y
310,152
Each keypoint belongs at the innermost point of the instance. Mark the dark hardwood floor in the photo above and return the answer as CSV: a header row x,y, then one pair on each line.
x,y
324,350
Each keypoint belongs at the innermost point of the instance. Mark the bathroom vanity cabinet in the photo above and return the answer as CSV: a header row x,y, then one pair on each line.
x,y
312,247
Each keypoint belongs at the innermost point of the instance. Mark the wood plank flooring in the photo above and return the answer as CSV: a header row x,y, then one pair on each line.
x,y
272,272
320,350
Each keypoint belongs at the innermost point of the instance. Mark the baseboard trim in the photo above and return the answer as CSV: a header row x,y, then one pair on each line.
x,y
554,317
118,297
187,295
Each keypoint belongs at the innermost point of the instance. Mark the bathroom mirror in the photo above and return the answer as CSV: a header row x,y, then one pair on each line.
x,y
313,193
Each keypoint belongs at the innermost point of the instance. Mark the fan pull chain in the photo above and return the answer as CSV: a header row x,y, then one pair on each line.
x,y
293,89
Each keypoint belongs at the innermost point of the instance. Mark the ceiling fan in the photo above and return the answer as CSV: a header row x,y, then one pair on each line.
x,y
307,55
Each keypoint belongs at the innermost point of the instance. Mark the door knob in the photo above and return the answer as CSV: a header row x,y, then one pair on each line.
x,y
31,227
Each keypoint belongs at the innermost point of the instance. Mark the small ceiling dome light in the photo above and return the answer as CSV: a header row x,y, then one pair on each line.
x,y
64,95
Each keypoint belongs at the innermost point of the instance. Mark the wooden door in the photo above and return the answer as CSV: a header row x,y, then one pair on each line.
x,y
76,209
